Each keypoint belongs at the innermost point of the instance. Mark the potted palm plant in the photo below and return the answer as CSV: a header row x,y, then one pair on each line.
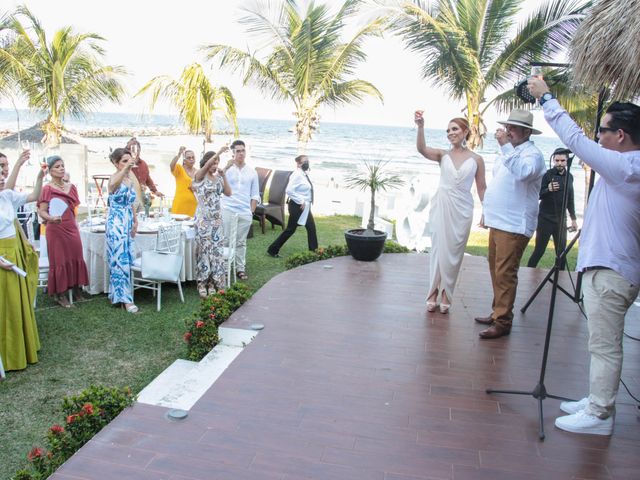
x,y
367,244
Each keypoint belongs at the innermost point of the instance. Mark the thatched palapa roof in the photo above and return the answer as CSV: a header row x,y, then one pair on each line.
x,y
606,48
34,134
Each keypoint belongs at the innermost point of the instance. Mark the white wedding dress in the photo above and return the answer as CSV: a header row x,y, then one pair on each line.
x,y
450,220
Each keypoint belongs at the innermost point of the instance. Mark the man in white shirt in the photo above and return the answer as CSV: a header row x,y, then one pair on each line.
x,y
510,210
245,195
609,253
300,193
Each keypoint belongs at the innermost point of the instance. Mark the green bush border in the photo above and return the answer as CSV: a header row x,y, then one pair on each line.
x,y
84,416
324,253
202,328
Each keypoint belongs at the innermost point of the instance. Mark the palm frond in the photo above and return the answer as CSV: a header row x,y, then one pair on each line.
x,y
308,62
545,33
195,97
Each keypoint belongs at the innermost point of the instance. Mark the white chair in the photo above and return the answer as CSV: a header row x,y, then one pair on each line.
x,y
168,241
229,252
43,270
27,216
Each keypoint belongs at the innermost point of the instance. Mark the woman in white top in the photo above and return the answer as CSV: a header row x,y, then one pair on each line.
x,y
300,193
451,210
19,343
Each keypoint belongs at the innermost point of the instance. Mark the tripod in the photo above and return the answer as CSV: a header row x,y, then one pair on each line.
x,y
560,261
539,392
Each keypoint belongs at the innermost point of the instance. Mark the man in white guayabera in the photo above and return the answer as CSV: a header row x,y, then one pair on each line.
x,y
510,211
609,253
245,195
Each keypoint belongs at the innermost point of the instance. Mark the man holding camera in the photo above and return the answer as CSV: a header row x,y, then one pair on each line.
x,y
609,254
550,213
510,210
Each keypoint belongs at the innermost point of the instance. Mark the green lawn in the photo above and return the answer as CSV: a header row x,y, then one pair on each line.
x,y
94,343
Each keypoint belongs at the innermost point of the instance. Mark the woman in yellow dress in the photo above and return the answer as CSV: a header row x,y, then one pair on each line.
x,y
19,340
184,201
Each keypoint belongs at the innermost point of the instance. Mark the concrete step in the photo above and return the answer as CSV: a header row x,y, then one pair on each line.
x,y
183,383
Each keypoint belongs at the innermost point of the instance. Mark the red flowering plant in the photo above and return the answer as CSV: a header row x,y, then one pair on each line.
x,y
84,416
202,328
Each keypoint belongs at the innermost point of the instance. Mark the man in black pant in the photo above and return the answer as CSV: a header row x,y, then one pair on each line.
x,y
550,212
300,193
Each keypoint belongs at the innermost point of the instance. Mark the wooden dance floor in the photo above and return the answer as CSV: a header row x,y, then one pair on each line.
x,y
352,379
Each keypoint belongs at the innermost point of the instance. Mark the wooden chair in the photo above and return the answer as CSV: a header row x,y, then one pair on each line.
x,y
259,214
273,210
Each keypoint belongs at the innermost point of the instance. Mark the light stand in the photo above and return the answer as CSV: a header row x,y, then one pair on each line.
x,y
560,260
539,392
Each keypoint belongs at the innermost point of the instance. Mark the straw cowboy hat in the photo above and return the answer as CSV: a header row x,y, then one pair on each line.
x,y
521,118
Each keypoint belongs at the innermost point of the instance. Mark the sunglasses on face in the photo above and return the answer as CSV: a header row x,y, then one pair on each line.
x,y
607,129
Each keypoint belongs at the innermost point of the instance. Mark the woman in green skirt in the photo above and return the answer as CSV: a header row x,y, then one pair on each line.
x,y
19,341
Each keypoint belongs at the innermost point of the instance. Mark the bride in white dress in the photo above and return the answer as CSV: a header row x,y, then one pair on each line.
x,y
451,212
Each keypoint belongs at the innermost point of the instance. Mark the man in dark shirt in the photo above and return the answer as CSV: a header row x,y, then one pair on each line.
x,y
142,169
550,212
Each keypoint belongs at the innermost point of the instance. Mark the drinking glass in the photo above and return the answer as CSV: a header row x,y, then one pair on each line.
x,y
536,72
26,145
421,111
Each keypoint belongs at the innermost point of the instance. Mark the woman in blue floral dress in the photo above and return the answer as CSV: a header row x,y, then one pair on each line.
x,y
209,184
121,228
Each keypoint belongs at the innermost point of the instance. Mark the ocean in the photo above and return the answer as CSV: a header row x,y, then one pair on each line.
x,y
335,150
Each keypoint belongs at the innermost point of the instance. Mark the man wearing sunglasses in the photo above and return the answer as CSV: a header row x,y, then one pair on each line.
x,y
609,254
550,213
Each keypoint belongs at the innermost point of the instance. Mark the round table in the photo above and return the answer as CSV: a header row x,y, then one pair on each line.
x,y
93,249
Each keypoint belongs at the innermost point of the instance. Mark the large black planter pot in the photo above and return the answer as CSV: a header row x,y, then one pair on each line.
x,y
365,248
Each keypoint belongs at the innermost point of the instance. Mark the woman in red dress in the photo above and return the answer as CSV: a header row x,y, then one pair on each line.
x,y
66,264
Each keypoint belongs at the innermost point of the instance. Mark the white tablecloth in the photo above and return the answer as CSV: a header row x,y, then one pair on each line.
x,y
93,249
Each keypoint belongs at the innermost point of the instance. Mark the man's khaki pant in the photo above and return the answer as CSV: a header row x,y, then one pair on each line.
x,y
244,224
505,253
607,297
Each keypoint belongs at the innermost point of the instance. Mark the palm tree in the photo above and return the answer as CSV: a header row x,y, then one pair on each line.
x,y
471,47
374,178
196,99
308,62
61,77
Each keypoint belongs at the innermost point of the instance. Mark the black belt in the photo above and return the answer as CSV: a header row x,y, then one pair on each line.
x,y
596,267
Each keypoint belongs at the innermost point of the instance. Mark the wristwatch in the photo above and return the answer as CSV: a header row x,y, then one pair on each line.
x,y
546,97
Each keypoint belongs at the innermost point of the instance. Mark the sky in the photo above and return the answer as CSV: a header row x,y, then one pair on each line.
x,y
156,38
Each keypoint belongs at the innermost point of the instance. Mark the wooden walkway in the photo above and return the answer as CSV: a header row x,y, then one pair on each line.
x,y
352,379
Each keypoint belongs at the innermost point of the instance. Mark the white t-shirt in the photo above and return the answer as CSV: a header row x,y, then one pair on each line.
x,y
10,201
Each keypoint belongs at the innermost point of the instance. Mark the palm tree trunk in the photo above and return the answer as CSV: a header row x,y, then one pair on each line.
x,y
474,117
371,224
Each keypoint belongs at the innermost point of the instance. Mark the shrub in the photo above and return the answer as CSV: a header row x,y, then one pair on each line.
x,y
394,247
322,253
202,329
84,416
332,251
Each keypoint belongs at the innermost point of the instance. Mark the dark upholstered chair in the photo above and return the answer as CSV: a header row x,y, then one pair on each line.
x,y
263,177
273,210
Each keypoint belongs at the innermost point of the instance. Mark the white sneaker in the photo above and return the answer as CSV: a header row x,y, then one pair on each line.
x,y
583,422
574,407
